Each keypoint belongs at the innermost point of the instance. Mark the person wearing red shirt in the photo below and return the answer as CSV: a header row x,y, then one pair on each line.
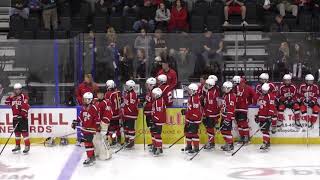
x,y
86,86
147,107
245,96
19,103
89,119
211,111
178,20
193,116
308,95
287,98
228,115
166,91
159,119
113,95
171,75
267,109
130,113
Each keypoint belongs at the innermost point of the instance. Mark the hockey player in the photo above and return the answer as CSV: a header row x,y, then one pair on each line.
x,y
19,103
211,112
308,96
159,119
105,111
228,115
147,108
88,118
267,108
130,113
264,78
113,95
166,90
193,116
287,98
245,96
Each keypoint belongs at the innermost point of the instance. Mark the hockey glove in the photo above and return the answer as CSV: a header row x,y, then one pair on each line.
x,y
183,111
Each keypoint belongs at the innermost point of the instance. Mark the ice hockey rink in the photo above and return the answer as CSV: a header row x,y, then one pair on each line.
x,y
65,162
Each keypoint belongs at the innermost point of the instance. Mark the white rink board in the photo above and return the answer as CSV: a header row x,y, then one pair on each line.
x,y
43,122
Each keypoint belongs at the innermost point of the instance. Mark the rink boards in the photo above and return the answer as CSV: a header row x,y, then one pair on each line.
x,y
56,122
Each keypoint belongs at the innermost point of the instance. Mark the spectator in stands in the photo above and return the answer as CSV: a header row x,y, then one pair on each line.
x,y
126,64
287,6
34,5
143,41
235,7
162,17
132,6
212,47
279,25
155,3
178,20
141,64
146,18
158,43
304,5
49,14
264,7
110,6
89,52
111,36
19,8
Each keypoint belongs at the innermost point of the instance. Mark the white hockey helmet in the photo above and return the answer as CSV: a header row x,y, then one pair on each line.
x,y
227,86
287,77
210,83
157,93
162,78
265,88
151,81
110,84
17,86
214,77
236,79
130,84
87,97
309,77
193,88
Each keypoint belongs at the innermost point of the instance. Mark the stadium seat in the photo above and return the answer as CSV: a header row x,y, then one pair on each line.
x,y
197,24
60,35
65,23
100,23
116,23
128,22
214,23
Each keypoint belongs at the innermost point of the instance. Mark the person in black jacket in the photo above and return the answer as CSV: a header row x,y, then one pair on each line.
x,y
146,18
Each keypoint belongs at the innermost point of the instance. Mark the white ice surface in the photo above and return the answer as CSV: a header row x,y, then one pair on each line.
x,y
292,162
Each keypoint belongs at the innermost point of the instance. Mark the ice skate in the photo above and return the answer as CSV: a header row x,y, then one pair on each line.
x,y
265,147
16,149
89,162
209,146
26,150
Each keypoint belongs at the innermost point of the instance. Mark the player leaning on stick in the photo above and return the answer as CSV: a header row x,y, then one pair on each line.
x,y
308,96
88,118
211,111
267,108
287,98
193,117
130,113
158,119
147,108
19,103
228,115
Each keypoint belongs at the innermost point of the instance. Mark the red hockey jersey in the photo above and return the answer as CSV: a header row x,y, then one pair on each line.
x,y
166,94
228,106
267,106
105,111
193,113
273,88
83,88
148,106
159,111
19,105
244,97
171,78
308,93
287,93
130,105
89,118
115,101
211,108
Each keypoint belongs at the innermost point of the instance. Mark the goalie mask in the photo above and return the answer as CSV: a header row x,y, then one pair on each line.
x,y
87,98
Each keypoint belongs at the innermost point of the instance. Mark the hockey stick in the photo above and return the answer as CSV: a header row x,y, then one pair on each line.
x,y
176,141
9,138
126,144
144,133
249,138
219,130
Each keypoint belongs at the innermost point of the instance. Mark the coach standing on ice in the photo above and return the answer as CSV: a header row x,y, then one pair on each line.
x,y
19,103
